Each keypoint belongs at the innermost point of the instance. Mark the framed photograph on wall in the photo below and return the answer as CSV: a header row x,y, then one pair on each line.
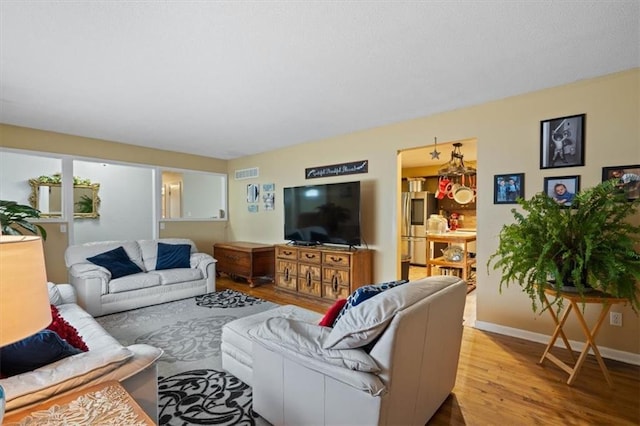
x,y
507,188
562,142
562,188
627,179
253,193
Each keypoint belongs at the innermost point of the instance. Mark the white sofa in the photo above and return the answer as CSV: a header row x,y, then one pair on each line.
x,y
100,295
134,366
306,374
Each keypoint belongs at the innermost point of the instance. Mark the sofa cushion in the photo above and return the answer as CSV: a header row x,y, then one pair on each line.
x,y
53,379
116,261
366,321
77,254
332,313
180,275
365,293
286,335
44,347
65,330
173,256
234,333
133,282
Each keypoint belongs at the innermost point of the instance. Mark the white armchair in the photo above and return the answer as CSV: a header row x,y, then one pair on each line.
x,y
306,374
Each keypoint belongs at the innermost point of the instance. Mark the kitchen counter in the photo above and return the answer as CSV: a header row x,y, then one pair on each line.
x,y
459,236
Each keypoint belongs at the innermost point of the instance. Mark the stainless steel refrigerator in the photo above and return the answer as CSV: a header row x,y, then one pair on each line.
x,y
416,209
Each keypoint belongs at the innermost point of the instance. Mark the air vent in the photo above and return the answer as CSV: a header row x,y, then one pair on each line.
x,y
253,172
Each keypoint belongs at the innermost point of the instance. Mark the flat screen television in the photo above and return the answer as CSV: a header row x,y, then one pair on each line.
x,y
323,214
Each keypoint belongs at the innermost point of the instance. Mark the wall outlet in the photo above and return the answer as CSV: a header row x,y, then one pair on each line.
x,y
615,318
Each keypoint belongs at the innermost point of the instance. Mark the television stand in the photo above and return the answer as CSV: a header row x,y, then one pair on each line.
x,y
322,272
304,243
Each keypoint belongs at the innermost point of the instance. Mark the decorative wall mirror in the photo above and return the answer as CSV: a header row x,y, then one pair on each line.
x,y
46,196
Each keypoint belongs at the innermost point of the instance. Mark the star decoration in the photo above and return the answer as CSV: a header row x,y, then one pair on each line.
x,y
435,154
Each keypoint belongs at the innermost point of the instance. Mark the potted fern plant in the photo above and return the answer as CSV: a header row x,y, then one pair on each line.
x,y
591,245
13,217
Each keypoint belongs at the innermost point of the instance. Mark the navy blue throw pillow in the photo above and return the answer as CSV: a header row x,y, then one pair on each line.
x,y
173,256
34,352
116,261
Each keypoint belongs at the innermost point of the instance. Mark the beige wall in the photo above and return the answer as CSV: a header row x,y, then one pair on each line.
x,y
508,142
508,135
203,233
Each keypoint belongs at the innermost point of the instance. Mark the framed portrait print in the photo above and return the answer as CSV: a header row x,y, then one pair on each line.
x,y
562,142
253,193
562,188
507,188
627,179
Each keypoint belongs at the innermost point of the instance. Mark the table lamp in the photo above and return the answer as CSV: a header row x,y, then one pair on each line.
x,y
24,296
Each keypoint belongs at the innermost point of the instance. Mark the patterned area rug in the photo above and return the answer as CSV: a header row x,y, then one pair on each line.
x,y
193,389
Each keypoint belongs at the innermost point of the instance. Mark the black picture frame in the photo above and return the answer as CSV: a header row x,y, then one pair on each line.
x,y
628,179
552,187
502,191
562,142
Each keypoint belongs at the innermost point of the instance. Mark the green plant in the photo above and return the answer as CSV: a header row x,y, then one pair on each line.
x,y
13,217
590,245
85,204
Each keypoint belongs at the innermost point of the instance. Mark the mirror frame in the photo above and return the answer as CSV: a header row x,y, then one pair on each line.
x,y
49,182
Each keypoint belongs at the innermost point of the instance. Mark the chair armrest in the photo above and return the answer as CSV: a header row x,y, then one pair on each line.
x,y
207,264
67,293
89,270
90,283
301,342
201,261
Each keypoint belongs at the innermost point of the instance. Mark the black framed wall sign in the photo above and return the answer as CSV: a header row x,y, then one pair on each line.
x,y
562,142
337,169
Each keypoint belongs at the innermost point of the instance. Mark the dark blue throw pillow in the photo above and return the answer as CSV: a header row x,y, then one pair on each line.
x,y
173,256
34,352
116,261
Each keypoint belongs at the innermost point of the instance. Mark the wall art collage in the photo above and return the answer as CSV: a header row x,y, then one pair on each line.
x,y
562,143
264,195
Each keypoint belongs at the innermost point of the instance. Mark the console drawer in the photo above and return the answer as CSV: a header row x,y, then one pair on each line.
x,y
285,252
336,259
310,256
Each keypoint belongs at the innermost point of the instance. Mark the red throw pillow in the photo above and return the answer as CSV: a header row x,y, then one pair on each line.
x,y
332,313
65,330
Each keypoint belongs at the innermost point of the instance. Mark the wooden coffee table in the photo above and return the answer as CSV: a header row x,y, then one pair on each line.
x,y
104,403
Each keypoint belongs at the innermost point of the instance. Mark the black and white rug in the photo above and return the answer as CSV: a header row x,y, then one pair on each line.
x,y
193,389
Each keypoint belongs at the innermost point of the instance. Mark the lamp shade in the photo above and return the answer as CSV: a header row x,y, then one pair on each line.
x,y
24,296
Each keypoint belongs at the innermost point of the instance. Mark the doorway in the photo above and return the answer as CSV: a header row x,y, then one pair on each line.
x,y
422,164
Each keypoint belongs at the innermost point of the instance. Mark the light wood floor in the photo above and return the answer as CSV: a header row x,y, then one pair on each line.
x,y
500,383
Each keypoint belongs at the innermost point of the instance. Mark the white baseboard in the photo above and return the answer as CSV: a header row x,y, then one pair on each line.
x,y
628,357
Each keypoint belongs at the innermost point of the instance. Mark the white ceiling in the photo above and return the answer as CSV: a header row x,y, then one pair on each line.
x,y
232,78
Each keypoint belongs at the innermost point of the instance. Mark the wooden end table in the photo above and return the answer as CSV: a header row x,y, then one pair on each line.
x,y
606,301
244,259
104,403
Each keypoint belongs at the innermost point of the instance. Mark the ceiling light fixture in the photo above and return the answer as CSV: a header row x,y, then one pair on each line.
x,y
456,166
